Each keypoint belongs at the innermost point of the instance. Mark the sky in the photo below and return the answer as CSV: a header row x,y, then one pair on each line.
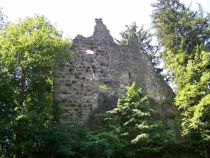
x,y
75,17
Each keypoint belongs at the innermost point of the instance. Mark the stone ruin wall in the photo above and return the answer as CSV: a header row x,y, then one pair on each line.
x,y
77,82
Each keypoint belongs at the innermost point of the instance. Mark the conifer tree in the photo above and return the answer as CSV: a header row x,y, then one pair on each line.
x,y
185,37
134,121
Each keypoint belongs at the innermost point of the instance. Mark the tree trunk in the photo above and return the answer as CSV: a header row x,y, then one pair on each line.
x,y
18,140
205,151
18,153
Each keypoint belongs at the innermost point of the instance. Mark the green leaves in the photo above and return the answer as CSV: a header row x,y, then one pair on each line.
x,y
136,124
142,36
180,27
184,35
29,52
195,88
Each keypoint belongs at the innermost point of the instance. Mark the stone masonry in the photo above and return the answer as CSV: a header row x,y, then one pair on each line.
x,y
100,62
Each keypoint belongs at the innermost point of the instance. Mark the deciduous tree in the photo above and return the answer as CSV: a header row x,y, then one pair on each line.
x,y
29,51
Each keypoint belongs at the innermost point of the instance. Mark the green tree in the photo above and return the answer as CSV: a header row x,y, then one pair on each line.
x,y
137,125
180,30
143,37
193,99
29,52
102,143
178,27
184,35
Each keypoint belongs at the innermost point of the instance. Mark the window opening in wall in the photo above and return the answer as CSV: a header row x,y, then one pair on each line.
x,y
88,51
94,71
94,76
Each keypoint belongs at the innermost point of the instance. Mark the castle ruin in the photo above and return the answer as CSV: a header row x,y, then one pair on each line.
x,y
101,66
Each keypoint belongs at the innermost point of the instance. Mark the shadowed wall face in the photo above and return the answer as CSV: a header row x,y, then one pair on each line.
x,y
99,67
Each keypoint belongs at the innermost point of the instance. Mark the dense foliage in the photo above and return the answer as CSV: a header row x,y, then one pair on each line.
x,y
185,37
29,52
139,130
143,37
132,129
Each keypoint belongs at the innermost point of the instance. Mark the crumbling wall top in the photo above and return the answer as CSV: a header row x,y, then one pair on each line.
x,y
101,33
78,84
